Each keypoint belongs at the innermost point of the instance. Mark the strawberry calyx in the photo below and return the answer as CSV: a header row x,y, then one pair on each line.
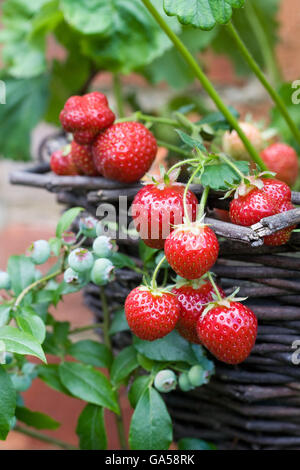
x,y
194,283
165,179
156,291
225,302
66,150
248,184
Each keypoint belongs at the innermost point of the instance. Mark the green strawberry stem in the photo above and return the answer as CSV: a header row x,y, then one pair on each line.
x,y
262,78
173,148
117,88
203,202
207,85
153,281
186,212
211,279
179,164
266,49
138,116
232,165
107,342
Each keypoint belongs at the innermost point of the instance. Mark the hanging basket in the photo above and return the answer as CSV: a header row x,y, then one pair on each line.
x,y
255,405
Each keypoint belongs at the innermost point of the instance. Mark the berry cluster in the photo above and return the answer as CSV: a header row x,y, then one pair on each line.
x,y
122,151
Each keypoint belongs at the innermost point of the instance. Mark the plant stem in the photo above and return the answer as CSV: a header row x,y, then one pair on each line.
x,y
45,438
173,148
232,165
94,326
184,162
186,212
262,78
117,88
266,50
203,202
35,284
153,282
207,85
107,342
211,279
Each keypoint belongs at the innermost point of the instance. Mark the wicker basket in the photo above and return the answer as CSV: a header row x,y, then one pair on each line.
x,y
252,406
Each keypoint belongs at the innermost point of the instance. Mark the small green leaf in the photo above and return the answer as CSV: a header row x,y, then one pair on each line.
x,y
66,220
35,419
29,322
88,384
151,425
190,443
190,141
91,352
91,428
137,389
218,174
17,341
124,363
120,261
119,322
55,245
21,271
203,14
7,403
49,374
4,314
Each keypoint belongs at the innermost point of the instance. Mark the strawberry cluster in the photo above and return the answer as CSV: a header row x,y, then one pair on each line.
x,y
122,151
262,198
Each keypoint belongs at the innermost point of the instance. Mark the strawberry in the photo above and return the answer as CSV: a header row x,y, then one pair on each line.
x,y
62,163
157,208
282,236
228,331
192,297
191,250
277,190
282,160
233,145
151,314
251,208
83,159
124,152
86,116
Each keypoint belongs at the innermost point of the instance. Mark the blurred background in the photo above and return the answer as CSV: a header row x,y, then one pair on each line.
x,y
50,50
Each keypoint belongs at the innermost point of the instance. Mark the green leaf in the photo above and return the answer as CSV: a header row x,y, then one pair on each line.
x,y
29,322
4,314
120,261
217,120
17,341
35,419
151,425
290,96
7,403
119,35
26,102
91,428
218,174
147,254
48,373
67,219
203,14
22,272
124,363
170,348
119,322
88,384
190,443
190,141
137,389
91,352
55,245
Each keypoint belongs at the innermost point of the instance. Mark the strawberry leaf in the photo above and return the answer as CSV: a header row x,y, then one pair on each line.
x,y
219,176
203,14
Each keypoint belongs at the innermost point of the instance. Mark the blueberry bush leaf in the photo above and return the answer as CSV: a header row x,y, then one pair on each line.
x,y
7,403
19,342
91,428
36,419
203,14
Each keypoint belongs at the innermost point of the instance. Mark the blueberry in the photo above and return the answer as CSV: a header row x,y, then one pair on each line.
x,y
81,260
165,381
87,226
72,277
40,251
102,271
197,376
102,247
184,382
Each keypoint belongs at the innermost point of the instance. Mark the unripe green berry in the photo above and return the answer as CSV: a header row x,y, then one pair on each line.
x,y
165,381
68,238
4,280
102,247
73,277
197,376
102,272
88,226
40,251
81,260
184,382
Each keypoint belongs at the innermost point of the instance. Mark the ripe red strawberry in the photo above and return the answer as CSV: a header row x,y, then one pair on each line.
x,y
86,116
151,314
62,163
283,160
124,152
277,190
282,236
157,208
83,159
250,209
229,333
191,250
193,298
